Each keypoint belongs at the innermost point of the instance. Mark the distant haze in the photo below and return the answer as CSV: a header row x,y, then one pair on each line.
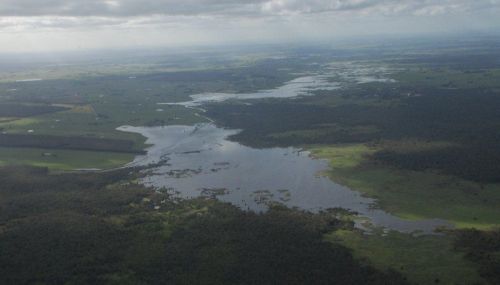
x,y
52,25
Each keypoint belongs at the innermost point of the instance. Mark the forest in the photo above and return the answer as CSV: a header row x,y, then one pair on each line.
x,y
96,228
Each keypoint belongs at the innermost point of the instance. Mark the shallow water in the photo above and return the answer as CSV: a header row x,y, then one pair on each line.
x,y
193,161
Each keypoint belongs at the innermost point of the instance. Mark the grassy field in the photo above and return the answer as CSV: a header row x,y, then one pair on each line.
x,y
410,194
62,159
83,121
102,120
422,259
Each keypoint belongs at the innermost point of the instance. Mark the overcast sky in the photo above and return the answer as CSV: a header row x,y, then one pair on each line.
x,y
38,25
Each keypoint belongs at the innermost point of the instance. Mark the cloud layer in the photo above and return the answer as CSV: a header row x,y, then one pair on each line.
x,y
134,8
162,21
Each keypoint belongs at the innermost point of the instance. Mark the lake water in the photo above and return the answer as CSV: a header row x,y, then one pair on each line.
x,y
334,77
193,161
299,86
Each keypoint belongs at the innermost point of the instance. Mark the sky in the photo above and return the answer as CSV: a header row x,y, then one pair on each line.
x,y
52,25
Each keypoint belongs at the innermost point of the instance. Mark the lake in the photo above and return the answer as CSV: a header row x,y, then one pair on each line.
x,y
199,160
